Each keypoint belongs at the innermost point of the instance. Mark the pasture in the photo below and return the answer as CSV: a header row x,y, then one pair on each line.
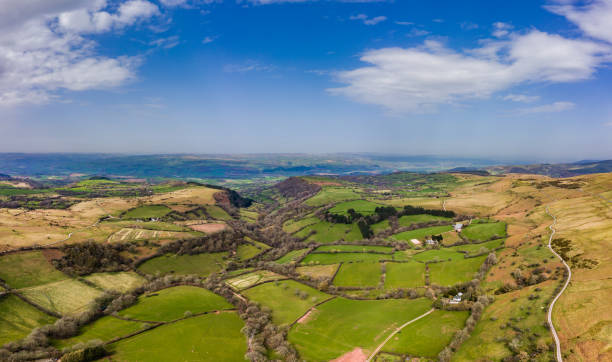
x,y
404,275
247,251
484,231
147,212
408,220
327,232
481,247
18,318
248,280
318,271
421,233
217,213
291,256
330,194
119,281
335,258
292,226
211,337
172,303
340,325
427,336
438,255
363,207
104,329
132,234
65,297
457,271
287,299
354,248
27,269
200,264
365,274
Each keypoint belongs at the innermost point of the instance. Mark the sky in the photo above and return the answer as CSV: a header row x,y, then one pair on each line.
x,y
521,79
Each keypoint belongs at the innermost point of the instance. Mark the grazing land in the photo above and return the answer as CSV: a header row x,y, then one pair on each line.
x,y
421,233
104,329
120,281
248,280
18,318
448,273
21,270
200,264
364,274
404,275
67,296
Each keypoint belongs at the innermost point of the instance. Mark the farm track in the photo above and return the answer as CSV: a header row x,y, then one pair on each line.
x,y
380,346
559,356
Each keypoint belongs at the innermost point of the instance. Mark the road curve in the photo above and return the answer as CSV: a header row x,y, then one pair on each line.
x,y
380,346
569,277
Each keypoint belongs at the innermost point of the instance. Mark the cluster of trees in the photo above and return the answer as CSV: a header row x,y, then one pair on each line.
x,y
297,188
89,257
222,241
35,202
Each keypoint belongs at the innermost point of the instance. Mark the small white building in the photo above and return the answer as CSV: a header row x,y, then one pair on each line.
x,y
457,298
430,241
415,241
458,227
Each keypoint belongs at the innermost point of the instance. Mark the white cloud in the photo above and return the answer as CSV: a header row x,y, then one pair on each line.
x,y
420,78
249,66
594,18
167,42
404,23
501,29
367,20
208,39
522,98
45,50
417,32
548,108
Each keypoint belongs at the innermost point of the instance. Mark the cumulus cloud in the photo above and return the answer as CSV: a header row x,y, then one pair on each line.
x,y
501,29
548,108
594,18
367,20
46,50
418,79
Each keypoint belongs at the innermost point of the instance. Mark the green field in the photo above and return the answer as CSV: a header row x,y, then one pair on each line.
x,y
211,337
355,248
438,255
248,280
332,194
363,207
421,233
18,318
21,270
104,329
147,212
380,226
121,281
67,296
318,271
456,271
291,256
427,336
327,232
484,231
334,258
404,275
292,226
408,220
217,213
358,275
287,299
246,252
172,303
478,248
201,264
341,325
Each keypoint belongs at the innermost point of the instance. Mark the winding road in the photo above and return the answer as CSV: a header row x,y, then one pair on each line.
x,y
380,346
569,277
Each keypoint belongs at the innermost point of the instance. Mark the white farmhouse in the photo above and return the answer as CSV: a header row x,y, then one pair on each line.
x,y
457,298
458,227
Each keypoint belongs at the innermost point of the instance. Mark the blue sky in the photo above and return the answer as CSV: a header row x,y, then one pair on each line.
x,y
516,80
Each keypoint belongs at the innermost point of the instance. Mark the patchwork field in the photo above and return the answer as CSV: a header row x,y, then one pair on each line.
x,y
340,325
147,212
331,194
366,274
327,232
18,318
194,339
363,207
318,271
404,275
172,303
291,256
132,234
27,269
248,280
67,296
103,329
456,271
354,248
484,231
421,233
120,281
334,258
199,264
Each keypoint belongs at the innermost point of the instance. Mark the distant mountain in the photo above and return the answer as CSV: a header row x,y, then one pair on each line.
x,y
557,170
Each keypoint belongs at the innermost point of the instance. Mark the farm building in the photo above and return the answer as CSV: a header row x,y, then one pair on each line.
x,y
458,227
457,298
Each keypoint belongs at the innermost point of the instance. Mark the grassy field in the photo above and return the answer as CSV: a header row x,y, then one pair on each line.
x,y
291,256
217,213
327,232
211,337
200,264
332,194
121,281
292,226
18,318
456,271
67,296
104,329
247,280
247,251
438,254
484,231
365,274
427,336
172,303
342,257
147,212
363,207
404,275
132,234
21,270
318,271
287,299
477,248
421,233
340,325
355,248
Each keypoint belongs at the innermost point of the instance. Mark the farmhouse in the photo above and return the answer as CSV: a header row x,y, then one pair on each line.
x,y
415,241
458,227
430,241
457,298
